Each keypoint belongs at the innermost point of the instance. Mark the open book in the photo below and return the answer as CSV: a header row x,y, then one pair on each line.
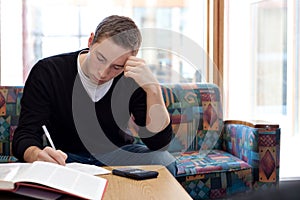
x,y
46,180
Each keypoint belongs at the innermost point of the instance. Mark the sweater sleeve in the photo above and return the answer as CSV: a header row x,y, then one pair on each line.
x,y
138,108
35,109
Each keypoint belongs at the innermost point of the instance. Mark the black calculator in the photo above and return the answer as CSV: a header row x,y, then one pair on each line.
x,y
135,173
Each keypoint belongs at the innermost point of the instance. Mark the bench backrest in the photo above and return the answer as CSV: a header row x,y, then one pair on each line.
x,y
196,114
10,97
195,111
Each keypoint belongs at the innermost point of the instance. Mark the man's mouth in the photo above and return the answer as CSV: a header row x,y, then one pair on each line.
x,y
101,82
95,80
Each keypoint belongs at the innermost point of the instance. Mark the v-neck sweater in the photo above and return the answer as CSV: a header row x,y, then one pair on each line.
x,y
54,96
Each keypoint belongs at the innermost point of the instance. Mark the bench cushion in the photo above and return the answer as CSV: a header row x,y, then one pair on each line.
x,y
192,163
215,185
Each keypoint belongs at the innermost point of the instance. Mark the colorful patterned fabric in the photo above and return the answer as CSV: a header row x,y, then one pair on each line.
x,y
196,114
9,116
238,156
213,160
242,141
216,185
192,163
7,159
260,147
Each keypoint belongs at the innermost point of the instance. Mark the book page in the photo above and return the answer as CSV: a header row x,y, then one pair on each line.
x,y
9,171
90,169
65,179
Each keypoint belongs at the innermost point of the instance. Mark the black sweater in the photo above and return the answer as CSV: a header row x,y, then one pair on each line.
x,y
54,96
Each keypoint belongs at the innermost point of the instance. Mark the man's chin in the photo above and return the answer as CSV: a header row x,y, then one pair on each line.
x,y
100,82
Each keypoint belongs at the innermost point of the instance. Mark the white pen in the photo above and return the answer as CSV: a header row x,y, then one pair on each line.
x,y
48,137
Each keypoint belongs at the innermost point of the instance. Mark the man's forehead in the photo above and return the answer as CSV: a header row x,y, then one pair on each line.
x,y
110,50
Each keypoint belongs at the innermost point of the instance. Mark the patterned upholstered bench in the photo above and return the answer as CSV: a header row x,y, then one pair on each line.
x,y
9,116
215,158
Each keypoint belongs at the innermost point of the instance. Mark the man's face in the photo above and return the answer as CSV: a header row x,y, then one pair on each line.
x,y
105,61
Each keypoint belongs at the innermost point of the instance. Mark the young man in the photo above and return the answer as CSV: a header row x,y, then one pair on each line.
x,y
86,99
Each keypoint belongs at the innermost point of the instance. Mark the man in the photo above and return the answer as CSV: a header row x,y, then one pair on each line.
x,y
86,99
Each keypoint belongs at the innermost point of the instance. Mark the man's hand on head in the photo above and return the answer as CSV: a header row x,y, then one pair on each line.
x,y
157,115
137,69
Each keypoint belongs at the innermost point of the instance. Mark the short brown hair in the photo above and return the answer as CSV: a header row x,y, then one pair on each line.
x,y
122,30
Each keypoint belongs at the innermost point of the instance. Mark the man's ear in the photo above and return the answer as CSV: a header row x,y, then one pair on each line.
x,y
91,39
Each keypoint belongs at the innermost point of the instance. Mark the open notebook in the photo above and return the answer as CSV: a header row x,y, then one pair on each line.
x,y
46,180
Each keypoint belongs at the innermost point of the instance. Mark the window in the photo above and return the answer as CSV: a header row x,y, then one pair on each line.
x,y
262,68
33,29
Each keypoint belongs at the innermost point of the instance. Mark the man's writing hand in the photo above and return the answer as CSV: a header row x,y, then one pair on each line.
x,y
48,154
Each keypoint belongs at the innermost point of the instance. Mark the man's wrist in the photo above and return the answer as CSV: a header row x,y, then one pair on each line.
x,y
31,154
152,89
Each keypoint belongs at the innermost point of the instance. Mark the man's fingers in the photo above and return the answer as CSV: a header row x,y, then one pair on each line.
x,y
63,154
44,156
134,61
51,155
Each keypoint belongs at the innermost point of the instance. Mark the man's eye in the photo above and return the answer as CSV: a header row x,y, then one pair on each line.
x,y
101,60
118,67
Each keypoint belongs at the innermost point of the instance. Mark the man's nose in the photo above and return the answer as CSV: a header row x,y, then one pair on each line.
x,y
103,72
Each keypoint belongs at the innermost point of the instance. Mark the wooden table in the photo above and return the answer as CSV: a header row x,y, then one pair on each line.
x,y
164,187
